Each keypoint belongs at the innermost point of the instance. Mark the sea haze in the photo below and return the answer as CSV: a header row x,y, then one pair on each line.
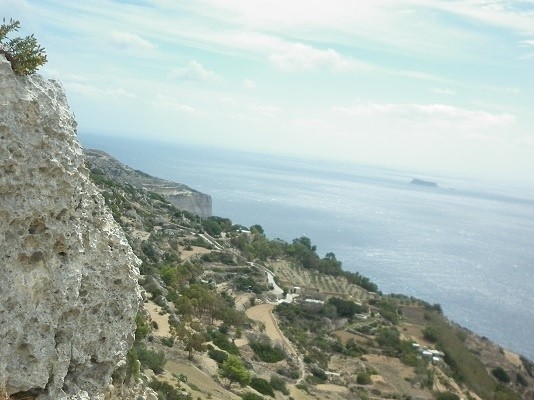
x,y
466,245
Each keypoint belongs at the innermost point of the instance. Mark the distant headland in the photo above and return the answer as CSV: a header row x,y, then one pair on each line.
x,y
421,182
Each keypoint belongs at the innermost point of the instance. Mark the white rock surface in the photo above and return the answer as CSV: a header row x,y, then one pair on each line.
x,y
68,278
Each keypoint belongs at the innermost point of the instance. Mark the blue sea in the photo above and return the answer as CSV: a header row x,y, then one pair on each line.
x,y
468,245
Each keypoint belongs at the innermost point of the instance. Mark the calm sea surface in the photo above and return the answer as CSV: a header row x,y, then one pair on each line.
x,y
466,245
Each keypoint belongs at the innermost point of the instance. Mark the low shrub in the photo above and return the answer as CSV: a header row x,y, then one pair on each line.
x,y
251,396
262,386
447,396
218,355
364,378
166,391
318,373
266,352
289,373
521,380
279,384
500,374
222,342
154,360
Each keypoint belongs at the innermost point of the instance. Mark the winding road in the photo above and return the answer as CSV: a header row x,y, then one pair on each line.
x,y
264,313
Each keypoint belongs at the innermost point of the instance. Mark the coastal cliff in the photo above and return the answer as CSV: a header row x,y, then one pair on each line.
x,y
179,195
69,292
321,341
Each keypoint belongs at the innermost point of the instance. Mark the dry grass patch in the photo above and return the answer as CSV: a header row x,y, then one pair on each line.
x,y
345,336
396,375
187,254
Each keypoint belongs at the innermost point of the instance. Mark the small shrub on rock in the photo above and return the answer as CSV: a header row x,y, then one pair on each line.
x,y
24,54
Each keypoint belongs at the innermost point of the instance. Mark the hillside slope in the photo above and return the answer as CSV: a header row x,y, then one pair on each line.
x,y
216,326
179,195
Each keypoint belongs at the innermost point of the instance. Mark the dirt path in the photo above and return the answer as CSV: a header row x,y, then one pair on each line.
x,y
264,313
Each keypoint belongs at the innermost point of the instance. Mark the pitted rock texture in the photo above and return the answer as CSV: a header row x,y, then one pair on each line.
x,y
68,287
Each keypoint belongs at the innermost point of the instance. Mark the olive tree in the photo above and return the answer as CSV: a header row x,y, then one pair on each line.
x,y
24,54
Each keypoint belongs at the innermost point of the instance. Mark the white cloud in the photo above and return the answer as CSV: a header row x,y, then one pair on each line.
x,y
437,90
93,91
309,123
130,41
167,102
529,42
267,111
196,72
427,113
249,84
301,57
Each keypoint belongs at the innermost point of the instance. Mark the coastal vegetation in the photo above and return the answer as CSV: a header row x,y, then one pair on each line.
x,y
24,54
208,322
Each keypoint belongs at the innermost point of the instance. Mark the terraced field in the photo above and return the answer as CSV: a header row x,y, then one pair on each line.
x,y
311,281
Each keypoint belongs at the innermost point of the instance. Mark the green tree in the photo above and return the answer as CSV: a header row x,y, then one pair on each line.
x,y
192,341
364,378
500,374
256,228
211,227
234,370
24,54
344,308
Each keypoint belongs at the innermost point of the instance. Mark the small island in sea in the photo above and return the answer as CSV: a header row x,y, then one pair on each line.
x,y
421,182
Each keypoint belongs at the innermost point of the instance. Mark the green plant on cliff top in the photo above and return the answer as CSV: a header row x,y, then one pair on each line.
x,y
24,54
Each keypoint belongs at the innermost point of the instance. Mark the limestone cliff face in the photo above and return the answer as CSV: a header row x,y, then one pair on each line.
x,y
178,194
68,286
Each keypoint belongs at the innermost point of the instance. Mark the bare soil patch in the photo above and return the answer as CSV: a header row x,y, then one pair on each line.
x,y
414,332
414,314
329,387
163,329
187,254
395,374
199,379
345,336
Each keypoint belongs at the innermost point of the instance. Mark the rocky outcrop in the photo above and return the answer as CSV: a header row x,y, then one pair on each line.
x,y
68,287
179,195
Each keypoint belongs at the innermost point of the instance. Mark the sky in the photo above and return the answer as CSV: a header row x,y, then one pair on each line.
x,y
440,87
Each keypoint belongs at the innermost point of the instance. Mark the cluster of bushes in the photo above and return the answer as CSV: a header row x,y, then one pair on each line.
x,y
279,384
218,355
305,254
346,308
301,251
263,386
308,328
223,342
265,350
251,396
224,257
166,391
467,368
247,283
388,308
150,359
